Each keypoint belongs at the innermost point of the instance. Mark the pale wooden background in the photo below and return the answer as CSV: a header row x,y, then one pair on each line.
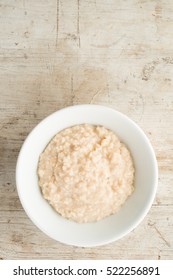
x,y
58,53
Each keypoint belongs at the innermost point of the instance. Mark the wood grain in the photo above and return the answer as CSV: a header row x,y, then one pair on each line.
x,y
59,53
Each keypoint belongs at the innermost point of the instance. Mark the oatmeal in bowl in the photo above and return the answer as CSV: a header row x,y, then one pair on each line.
x,y
86,173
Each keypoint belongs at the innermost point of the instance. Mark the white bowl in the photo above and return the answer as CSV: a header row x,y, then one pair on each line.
x,y
109,229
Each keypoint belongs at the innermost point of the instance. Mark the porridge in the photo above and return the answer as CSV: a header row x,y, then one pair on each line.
x,y
86,173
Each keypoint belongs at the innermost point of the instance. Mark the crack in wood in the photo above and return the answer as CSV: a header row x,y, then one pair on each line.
x,y
57,22
143,105
161,236
72,91
78,21
95,96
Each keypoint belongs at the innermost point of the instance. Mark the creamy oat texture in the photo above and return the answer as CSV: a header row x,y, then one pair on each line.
x,y
86,173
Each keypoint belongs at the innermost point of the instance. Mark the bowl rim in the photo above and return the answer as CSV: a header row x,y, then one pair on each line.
x,y
149,201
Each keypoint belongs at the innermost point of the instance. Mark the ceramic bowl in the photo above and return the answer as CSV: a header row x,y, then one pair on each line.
x,y
113,227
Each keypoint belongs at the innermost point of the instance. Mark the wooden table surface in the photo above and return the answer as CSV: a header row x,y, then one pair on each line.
x,y
59,53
